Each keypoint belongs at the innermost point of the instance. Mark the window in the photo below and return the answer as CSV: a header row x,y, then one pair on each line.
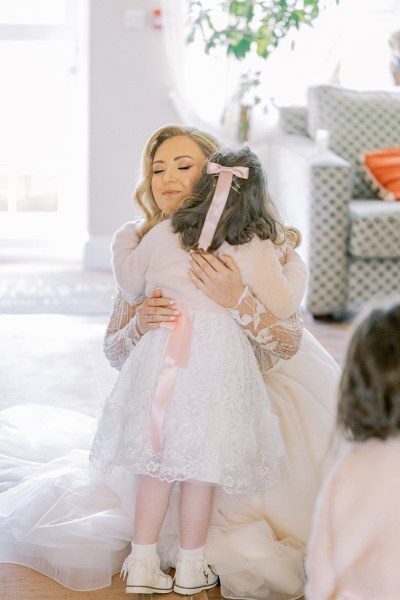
x,y
41,111
39,12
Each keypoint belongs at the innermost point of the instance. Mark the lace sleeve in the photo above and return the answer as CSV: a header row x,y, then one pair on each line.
x,y
123,330
272,338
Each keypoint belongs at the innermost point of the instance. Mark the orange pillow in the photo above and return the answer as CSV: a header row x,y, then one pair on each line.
x,y
383,171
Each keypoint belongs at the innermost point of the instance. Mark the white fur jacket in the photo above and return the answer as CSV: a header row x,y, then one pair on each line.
x,y
159,261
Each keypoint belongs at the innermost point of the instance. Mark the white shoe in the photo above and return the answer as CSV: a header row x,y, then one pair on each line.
x,y
145,576
193,576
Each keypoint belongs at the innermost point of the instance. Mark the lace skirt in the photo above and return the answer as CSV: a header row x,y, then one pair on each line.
x,y
218,426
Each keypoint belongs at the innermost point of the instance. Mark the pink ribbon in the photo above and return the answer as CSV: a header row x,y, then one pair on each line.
x,y
219,199
177,354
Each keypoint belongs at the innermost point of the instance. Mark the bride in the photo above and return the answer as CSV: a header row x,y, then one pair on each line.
x,y
62,517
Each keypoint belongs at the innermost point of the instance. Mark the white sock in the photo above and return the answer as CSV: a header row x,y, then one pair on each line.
x,y
193,554
145,550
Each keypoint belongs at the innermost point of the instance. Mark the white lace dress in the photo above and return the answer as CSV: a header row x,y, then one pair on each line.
x,y
217,425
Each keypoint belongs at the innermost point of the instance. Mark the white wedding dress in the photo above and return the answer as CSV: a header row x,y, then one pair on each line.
x,y
64,518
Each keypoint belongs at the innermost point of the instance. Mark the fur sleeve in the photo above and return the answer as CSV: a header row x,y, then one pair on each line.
x,y
128,262
296,274
279,287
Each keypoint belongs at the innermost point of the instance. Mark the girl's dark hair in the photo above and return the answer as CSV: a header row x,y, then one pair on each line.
x,y
248,212
369,404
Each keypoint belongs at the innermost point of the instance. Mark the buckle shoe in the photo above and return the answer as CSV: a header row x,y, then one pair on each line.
x,y
144,576
193,576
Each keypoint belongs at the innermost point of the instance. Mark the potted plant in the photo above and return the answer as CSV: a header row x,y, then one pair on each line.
x,y
250,27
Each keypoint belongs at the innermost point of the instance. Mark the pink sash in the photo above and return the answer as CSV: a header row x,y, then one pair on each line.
x,y
176,357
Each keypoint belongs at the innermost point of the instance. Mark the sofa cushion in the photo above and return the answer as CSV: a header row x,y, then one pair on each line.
x,y
358,122
372,278
374,229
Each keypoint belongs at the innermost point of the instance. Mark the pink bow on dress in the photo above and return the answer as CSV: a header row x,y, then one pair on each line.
x,y
219,199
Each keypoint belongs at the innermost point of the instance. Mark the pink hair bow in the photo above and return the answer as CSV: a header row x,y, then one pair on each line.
x,y
219,199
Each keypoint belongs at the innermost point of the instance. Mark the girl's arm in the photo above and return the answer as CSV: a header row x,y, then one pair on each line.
x,y
128,261
280,287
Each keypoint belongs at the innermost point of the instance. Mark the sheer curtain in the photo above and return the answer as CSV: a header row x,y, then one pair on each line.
x,y
347,45
201,84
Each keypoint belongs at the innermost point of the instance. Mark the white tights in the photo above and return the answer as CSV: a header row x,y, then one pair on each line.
x,y
194,511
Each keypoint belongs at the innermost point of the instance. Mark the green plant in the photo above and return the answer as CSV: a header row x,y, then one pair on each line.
x,y
258,25
245,27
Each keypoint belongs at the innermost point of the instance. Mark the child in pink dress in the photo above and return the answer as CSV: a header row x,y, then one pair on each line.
x,y
190,404
354,548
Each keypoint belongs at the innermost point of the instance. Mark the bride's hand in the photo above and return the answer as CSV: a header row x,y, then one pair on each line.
x,y
155,310
219,278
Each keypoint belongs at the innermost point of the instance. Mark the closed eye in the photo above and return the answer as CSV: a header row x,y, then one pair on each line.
x,y
185,168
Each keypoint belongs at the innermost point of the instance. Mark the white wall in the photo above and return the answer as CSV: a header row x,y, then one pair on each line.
x,y
128,100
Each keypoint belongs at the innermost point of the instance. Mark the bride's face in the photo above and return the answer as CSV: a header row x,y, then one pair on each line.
x,y
177,168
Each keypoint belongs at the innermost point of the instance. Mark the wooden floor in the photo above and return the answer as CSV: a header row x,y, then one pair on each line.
x,y
20,583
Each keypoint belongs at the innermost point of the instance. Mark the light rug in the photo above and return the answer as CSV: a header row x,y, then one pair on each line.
x,y
61,288
55,360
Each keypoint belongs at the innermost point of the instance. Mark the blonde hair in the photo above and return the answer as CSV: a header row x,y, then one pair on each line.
x,y
143,194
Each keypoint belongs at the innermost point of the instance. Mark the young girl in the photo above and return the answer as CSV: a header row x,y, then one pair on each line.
x,y
190,404
354,548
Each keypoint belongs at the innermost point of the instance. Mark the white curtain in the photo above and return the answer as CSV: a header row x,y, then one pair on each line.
x,y
200,82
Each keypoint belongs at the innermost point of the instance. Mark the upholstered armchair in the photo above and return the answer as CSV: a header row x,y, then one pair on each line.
x,y
351,237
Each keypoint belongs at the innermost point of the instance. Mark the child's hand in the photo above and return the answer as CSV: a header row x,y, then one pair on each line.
x,y
219,278
155,310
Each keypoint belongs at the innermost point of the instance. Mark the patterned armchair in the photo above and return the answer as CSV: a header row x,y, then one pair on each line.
x,y
351,238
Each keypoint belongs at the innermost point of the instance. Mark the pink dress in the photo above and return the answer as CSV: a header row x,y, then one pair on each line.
x,y
354,547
